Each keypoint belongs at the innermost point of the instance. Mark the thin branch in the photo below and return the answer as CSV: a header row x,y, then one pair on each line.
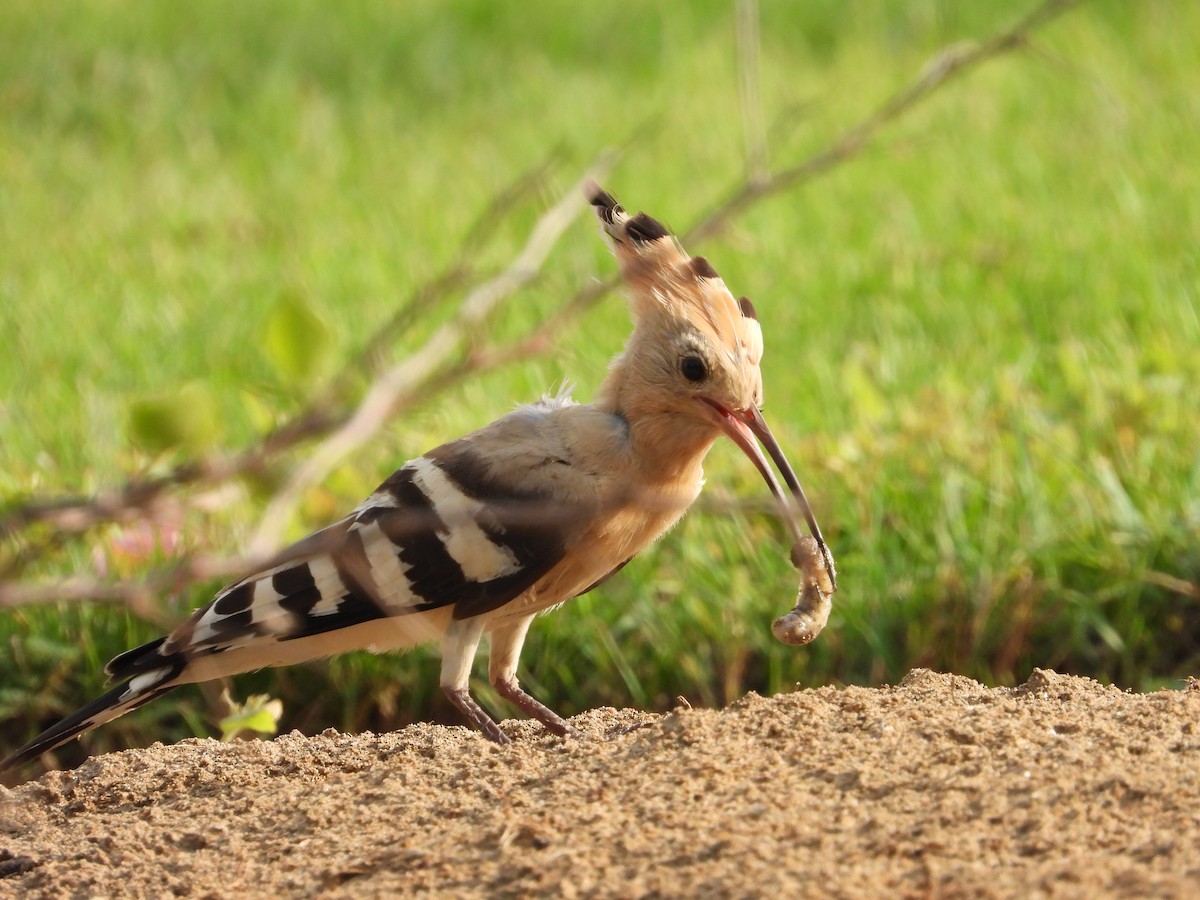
x,y
186,570
75,514
411,375
1171,583
754,132
456,274
138,593
950,62
946,66
80,513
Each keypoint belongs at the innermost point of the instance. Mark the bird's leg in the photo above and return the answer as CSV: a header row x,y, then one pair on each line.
x,y
467,705
502,672
458,653
511,691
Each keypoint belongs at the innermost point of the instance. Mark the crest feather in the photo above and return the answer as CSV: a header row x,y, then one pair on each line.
x,y
665,281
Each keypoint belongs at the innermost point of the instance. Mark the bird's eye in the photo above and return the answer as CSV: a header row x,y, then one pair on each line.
x,y
693,369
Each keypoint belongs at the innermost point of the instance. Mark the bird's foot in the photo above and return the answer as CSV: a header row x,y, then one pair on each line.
x,y
467,705
516,695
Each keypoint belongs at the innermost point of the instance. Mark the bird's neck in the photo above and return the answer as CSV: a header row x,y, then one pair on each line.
x,y
667,446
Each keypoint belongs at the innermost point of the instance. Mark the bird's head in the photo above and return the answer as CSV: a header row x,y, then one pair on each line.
x,y
695,350
693,358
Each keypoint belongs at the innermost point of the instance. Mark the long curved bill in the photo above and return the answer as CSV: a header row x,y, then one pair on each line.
x,y
743,427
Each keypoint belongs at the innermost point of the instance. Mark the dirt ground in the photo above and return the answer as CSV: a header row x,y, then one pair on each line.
x,y
939,786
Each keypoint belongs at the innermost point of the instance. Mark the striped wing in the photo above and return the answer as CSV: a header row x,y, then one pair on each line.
x,y
449,529
443,531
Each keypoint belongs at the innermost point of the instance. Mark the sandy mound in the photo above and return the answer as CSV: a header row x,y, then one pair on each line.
x,y
936,786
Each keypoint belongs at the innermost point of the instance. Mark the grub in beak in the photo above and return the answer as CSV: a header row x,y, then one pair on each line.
x,y
758,426
810,555
742,427
814,599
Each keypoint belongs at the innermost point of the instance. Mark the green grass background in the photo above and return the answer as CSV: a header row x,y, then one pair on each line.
x,y
982,335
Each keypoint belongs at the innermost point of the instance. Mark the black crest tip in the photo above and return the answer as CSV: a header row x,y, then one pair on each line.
x,y
747,308
702,268
644,229
606,205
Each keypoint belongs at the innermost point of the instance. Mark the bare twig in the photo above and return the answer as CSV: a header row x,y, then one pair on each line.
x,y
410,375
1171,583
947,65
188,569
457,274
135,593
74,514
754,133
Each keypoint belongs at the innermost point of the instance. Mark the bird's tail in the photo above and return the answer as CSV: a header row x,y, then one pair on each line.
x,y
138,690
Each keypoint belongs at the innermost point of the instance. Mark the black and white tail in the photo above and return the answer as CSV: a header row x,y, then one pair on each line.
x,y
141,684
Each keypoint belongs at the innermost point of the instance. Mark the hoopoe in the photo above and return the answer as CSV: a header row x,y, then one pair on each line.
x,y
481,534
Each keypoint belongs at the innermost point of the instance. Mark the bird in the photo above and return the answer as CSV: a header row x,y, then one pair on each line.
x,y
478,536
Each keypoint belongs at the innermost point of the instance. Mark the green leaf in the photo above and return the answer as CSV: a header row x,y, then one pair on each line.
x,y
186,419
259,714
297,341
261,416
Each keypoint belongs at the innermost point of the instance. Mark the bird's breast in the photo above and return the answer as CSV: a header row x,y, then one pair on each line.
x,y
630,523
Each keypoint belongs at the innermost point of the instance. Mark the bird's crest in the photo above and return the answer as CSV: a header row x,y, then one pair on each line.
x,y
666,283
